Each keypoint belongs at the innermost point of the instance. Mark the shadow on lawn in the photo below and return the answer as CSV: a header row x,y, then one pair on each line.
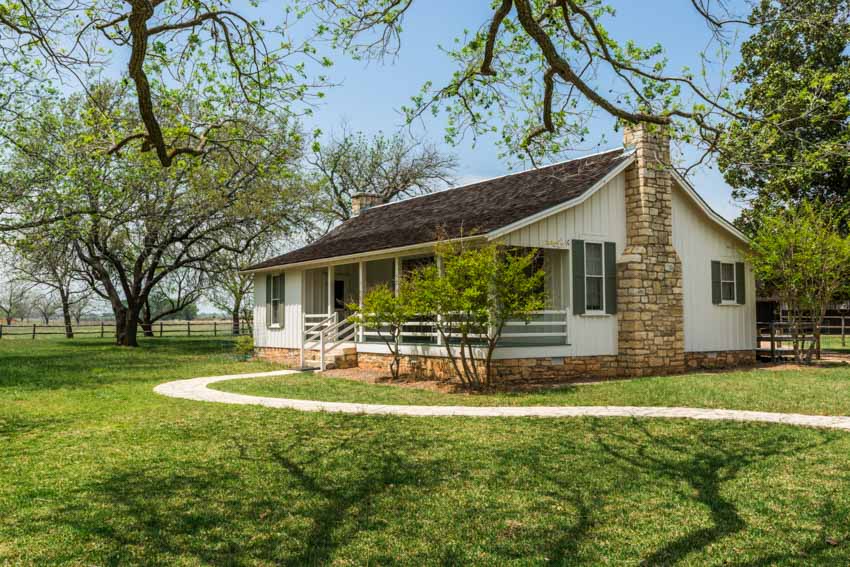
x,y
293,502
705,466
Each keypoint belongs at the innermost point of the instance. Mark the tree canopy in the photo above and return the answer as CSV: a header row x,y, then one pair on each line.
x,y
796,72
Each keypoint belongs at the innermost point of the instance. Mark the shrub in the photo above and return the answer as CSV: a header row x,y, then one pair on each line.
x,y
244,345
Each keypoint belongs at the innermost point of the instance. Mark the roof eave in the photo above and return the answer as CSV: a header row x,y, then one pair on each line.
x,y
348,257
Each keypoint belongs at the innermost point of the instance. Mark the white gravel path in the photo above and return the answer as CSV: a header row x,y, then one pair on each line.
x,y
196,389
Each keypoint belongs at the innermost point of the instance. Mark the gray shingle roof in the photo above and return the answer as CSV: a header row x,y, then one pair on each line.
x,y
478,208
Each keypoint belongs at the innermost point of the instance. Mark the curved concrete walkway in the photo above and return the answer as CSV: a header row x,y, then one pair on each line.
x,y
196,389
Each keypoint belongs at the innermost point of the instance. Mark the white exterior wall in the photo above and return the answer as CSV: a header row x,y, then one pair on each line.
x,y
699,240
602,218
289,335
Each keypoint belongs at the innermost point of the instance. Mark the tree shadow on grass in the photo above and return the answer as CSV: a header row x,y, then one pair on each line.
x,y
283,503
704,464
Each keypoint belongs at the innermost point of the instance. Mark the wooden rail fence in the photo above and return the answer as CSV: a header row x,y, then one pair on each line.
x,y
775,339
106,329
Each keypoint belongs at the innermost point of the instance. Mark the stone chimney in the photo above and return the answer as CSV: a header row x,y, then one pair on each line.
x,y
362,201
649,283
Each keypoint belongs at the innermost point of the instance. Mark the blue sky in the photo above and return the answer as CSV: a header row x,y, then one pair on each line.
x,y
371,94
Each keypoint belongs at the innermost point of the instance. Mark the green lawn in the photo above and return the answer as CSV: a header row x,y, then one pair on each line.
x,y
821,392
96,469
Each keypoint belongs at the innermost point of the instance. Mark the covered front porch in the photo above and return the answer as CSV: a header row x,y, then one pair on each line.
x,y
331,291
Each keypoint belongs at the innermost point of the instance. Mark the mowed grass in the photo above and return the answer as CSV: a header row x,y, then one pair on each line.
x,y
822,391
96,469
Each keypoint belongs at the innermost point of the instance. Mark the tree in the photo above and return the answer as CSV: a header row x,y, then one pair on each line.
x,y
796,70
536,70
144,222
178,55
176,295
229,289
51,263
386,166
46,303
799,252
387,313
473,296
15,299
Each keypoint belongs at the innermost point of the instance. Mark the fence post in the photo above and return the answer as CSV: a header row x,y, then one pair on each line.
x,y
215,330
33,331
188,328
101,329
843,336
1,330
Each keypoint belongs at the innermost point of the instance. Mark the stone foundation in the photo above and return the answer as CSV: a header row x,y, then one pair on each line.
x,y
515,370
289,357
510,371
718,360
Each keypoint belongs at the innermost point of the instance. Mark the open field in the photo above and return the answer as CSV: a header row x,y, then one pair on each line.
x,y
97,469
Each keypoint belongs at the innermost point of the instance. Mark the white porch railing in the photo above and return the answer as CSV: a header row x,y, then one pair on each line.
x,y
324,333
547,327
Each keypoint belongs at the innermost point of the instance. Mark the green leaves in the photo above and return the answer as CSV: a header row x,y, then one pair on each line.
x,y
796,73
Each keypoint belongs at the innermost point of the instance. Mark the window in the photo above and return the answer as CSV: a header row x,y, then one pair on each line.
x,y
594,273
727,282
276,303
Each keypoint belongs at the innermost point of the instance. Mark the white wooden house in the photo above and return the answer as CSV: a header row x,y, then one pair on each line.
x,y
642,276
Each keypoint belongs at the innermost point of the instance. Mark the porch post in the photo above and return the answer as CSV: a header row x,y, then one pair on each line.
x,y
331,306
439,259
361,291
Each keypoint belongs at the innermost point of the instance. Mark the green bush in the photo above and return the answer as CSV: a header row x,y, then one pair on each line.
x,y
244,345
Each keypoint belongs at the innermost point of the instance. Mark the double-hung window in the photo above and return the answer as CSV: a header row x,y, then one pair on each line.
x,y
594,274
727,282
275,303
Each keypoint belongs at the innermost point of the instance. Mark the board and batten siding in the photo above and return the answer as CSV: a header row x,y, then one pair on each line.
x,y
699,240
289,335
601,218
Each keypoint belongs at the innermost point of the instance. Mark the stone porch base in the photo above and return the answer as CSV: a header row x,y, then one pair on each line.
x,y
517,370
291,357
720,359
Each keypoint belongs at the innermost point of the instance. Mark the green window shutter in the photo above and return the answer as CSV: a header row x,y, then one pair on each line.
x,y
268,301
281,304
740,283
611,278
577,254
715,282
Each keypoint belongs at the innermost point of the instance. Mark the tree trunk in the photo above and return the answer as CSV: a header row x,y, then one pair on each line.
x,y
147,320
235,323
66,315
131,328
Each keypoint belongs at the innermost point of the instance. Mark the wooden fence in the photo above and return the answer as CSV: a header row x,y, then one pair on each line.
x,y
774,339
106,329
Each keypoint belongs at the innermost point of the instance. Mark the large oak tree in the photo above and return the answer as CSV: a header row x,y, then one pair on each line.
x,y
134,222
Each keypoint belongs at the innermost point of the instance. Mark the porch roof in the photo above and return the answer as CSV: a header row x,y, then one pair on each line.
x,y
475,209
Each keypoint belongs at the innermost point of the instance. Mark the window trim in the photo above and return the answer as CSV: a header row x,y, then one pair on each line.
x,y
601,311
733,281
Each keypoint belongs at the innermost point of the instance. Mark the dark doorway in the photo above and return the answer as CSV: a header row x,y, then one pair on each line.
x,y
339,294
